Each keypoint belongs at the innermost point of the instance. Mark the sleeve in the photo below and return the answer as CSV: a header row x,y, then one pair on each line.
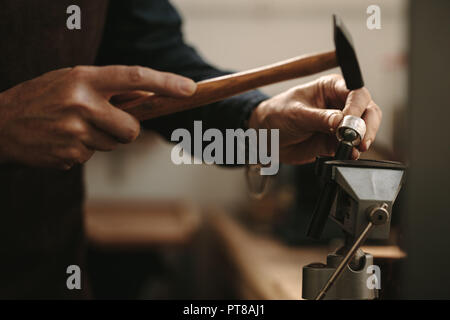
x,y
148,33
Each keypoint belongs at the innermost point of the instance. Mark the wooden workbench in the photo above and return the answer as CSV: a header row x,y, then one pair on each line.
x,y
134,224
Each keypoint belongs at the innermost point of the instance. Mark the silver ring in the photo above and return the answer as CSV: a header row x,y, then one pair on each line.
x,y
354,123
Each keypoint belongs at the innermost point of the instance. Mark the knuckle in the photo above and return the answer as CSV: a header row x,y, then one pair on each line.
x,y
84,109
75,127
326,88
77,155
136,74
79,72
167,81
77,96
373,106
323,114
73,154
328,81
365,92
331,77
293,92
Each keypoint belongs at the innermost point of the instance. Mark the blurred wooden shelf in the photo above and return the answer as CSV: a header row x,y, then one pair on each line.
x,y
140,224
267,268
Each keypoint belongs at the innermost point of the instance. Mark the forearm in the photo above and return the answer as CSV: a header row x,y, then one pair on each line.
x,y
149,34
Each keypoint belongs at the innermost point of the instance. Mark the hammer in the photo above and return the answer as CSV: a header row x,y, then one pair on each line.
x,y
147,105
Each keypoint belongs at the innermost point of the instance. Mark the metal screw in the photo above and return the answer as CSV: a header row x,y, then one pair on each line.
x,y
379,215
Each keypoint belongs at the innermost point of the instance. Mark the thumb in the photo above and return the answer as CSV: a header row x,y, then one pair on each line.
x,y
320,120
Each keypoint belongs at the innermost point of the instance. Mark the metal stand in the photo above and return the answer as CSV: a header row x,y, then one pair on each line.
x,y
366,191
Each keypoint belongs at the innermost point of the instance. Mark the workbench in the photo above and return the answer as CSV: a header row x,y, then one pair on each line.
x,y
144,224
254,265
268,269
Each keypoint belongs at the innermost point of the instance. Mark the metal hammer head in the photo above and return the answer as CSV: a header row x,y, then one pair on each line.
x,y
346,55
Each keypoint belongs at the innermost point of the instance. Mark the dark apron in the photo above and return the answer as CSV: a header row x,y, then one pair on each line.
x,y
41,221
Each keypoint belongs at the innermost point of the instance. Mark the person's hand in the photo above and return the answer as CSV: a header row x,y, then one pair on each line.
x,y
308,115
60,118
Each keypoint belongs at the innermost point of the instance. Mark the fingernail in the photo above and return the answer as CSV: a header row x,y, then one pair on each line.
x,y
187,87
368,142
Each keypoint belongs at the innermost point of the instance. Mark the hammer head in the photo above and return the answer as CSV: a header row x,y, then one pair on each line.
x,y
346,55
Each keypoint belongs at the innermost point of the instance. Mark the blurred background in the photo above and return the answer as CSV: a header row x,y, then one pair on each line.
x,y
166,231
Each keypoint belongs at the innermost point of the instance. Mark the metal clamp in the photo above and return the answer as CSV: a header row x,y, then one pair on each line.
x,y
376,216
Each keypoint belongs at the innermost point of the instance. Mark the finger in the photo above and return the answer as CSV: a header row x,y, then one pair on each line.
x,y
74,154
312,119
355,154
304,152
114,122
357,102
332,92
96,139
372,117
118,79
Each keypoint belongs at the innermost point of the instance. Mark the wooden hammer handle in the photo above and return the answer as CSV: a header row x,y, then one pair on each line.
x,y
146,105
